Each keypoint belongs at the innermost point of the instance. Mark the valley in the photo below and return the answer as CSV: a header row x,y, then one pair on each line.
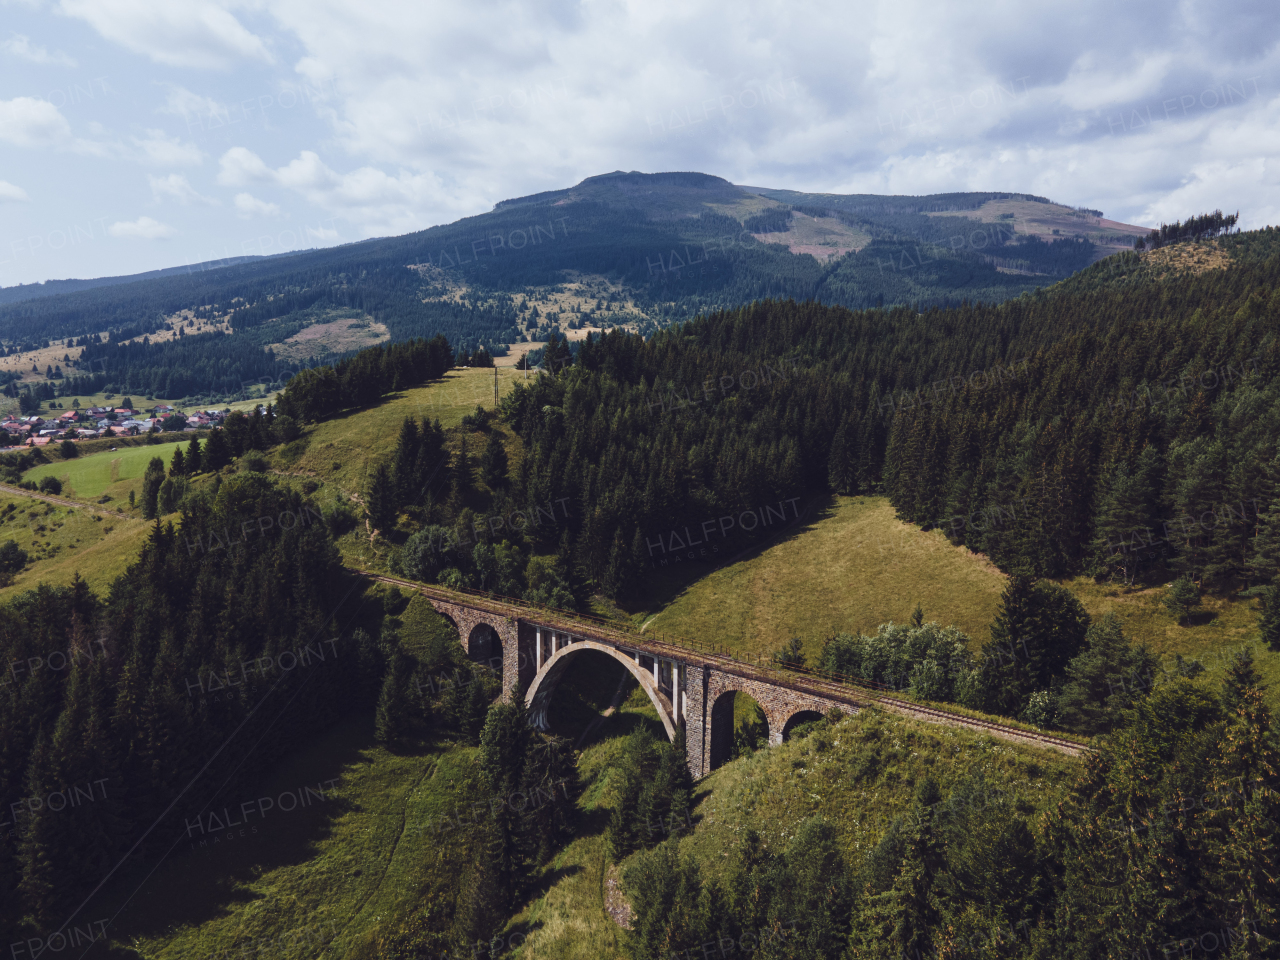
x,y
894,579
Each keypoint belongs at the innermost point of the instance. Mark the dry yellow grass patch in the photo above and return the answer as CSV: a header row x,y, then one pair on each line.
x,y
1188,258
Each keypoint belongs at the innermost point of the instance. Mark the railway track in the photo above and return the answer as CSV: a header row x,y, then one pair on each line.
x,y
845,689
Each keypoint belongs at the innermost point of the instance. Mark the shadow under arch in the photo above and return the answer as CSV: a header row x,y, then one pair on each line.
x,y
538,699
723,727
484,646
797,718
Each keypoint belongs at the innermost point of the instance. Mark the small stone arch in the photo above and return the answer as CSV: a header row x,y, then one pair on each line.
x,y
797,718
722,726
484,646
538,699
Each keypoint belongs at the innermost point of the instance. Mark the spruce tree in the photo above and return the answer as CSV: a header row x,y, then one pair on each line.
x,y
493,462
1107,678
194,459
504,749
916,904
617,574
380,500
217,451
809,916
549,785
460,480
39,848
406,456
842,464
481,902
1243,823
151,482
1269,617
1181,596
392,720
1124,525
1263,564
177,466
166,498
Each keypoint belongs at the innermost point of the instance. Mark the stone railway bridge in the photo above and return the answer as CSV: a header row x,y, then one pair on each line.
x,y
688,687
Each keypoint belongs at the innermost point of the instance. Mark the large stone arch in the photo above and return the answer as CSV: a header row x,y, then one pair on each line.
x,y
779,699
538,699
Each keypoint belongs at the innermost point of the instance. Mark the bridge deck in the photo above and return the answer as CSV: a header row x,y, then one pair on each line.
x,y
760,671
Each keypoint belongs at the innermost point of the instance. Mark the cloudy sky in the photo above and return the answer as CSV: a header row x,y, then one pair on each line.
x,y
137,134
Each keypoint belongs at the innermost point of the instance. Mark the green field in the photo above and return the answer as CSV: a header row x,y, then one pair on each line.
x,y
850,567
342,449
63,542
108,472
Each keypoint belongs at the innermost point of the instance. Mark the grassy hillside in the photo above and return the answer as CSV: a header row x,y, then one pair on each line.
x,y
334,880
107,472
62,542
859,774
853,566
339,454
340,872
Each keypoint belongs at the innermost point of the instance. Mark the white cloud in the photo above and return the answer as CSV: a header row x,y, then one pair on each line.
x,y
240,167
35,123
176,33
29,122
366,196
391,115
144,228
162,150
21,47
11,193
248,206
181,102
176,187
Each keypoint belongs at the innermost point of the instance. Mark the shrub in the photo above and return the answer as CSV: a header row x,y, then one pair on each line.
x,y
1182,595
254,462
12,557
50,485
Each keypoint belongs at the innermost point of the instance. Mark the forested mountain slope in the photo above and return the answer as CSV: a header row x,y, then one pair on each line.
x,y
1034,412
640,250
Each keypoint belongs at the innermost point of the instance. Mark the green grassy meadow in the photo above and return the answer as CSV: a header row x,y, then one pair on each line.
x,y
63,542
851,566
105,472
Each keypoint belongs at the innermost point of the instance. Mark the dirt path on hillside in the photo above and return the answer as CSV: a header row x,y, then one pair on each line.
x,y
63,502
